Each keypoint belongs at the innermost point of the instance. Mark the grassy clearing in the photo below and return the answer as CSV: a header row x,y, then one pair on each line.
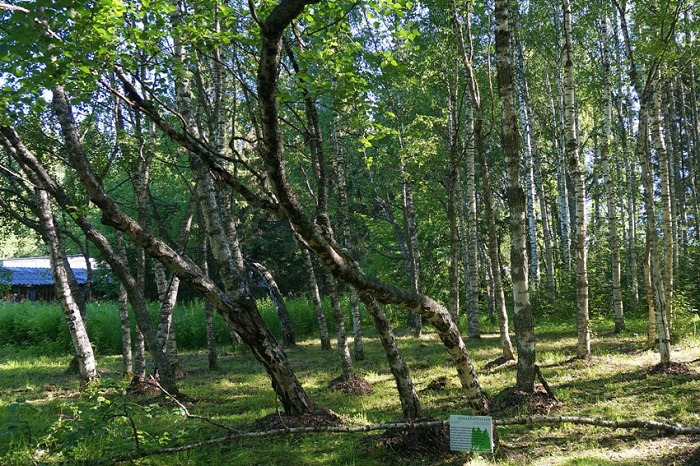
x,y
45,417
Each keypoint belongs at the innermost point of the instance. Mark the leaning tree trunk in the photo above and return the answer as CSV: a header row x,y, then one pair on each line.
x,y
287,207
288,339
410,405
318,160
75,152
62,275
315,295
510,142
572,150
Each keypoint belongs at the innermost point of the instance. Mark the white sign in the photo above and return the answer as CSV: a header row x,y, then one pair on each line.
x,y
471,433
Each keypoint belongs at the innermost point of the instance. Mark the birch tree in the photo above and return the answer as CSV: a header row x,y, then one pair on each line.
x,y
510,141
575,165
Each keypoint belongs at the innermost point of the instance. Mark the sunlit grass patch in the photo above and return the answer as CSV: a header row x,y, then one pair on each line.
x,y
45,410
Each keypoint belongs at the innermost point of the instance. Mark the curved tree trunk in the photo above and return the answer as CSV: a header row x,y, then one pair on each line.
x,y
346,365
410,405
288,339
63,110
288,207
63,278
315,296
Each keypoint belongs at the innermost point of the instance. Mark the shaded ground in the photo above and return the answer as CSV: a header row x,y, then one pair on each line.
x,y
512,402
414,445
319,417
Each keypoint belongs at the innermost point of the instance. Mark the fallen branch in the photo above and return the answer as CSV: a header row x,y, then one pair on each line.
x,y
631,424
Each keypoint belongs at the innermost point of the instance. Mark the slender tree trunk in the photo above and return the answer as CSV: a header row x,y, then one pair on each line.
x,y
318,159
315,297
127,361
631,213
562,185
572,149
62,277
649,293
341,177
452,199
288,339
346,365
619,317
657,133
510,137
410,406
466,50
212,355
657,282
415,320
471,268
528,151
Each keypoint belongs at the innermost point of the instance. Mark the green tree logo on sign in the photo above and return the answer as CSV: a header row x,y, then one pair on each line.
x,y
481,441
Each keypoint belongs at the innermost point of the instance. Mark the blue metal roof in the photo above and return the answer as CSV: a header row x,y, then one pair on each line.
x,y
34,276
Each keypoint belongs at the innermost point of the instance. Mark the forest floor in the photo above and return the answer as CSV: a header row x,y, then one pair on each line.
x,y
46,418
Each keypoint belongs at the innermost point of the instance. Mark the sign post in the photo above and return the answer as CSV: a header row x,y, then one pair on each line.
x,y
471,433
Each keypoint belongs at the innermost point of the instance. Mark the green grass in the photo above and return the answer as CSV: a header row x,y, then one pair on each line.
x,y
46,417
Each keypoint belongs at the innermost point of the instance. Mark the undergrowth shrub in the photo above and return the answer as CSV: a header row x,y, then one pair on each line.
x,y
42,326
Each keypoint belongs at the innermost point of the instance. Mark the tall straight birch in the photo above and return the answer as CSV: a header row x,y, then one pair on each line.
x,y
510,140
657,134
618,309
576,168
466,50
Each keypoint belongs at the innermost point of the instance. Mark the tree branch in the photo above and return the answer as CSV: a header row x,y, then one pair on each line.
x,y
668,428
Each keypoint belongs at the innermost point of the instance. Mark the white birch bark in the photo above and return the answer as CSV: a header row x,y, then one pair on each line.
x,y
62,276
510,139
562,185
618,309
577,173
656,281
657,134
127,358
466,52
528,152
471,278
452,199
